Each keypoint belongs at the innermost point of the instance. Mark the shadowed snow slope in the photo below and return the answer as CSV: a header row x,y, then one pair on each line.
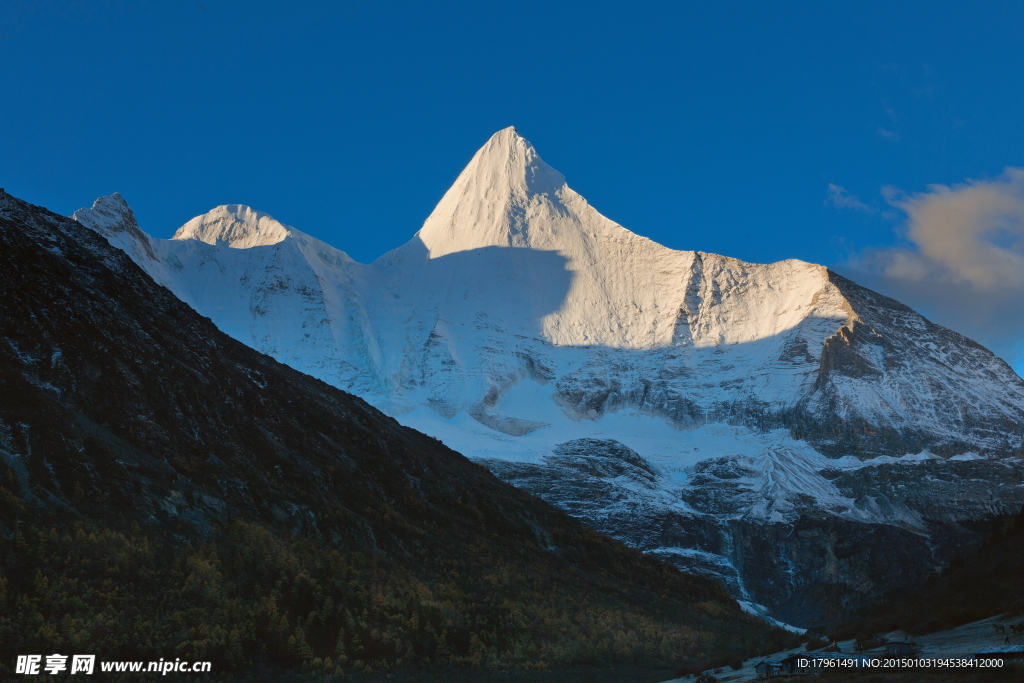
x,y
519,319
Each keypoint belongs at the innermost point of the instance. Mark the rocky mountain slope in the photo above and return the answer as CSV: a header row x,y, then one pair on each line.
x,y
166,489
519,322
981,585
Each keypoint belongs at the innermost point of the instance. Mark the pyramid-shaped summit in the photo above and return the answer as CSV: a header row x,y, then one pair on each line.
x,y
508,162
508,196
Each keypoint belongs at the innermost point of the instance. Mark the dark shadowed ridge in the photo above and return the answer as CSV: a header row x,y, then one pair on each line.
x,y
981,584
168,491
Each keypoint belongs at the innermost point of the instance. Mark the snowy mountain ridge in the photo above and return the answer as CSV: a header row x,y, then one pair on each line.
x,y
235,226
519,320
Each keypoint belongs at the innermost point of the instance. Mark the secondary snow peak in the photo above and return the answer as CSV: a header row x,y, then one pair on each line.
x,y
113,218
106,212
236,226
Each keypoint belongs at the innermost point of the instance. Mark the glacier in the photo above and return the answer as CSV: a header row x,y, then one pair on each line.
x,y
708,406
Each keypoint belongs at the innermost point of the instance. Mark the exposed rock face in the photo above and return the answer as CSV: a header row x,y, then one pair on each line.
x,y
807,555
616,491
893,382
817,566
519,319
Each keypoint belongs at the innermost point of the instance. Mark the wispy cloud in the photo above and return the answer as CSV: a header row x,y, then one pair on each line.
x,y
964,262
838,197
893,134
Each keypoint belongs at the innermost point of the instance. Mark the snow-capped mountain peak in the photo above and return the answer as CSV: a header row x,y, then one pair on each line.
x,y
519,320
519,230
236,226
507,196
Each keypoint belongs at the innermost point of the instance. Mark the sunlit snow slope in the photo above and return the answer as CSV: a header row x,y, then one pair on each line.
x,y
519,320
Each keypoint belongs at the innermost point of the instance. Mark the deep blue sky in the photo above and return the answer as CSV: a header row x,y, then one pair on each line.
x,y
710,126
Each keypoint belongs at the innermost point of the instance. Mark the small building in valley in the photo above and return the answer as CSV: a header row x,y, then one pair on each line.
x,y
768,669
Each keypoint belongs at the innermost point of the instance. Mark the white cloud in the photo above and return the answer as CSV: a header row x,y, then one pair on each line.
x,y
964,264
838,197
970,233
